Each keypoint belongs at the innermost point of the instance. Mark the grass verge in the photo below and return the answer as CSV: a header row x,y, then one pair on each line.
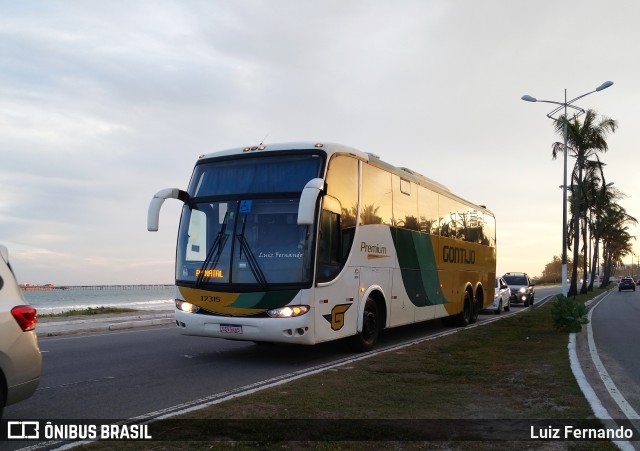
x,y
512,373
88,311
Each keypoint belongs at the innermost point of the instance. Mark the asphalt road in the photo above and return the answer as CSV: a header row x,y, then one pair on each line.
x,y
121,375
616,333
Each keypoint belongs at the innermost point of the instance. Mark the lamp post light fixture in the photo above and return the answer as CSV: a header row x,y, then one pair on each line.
x,y
577,112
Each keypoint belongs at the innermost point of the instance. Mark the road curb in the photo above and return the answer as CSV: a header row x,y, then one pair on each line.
x,y
57,333
108,324
101,318
142,323
599,410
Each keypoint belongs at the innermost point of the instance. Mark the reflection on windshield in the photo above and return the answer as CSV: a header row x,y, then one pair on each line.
x,y
267,245
251,259
216,250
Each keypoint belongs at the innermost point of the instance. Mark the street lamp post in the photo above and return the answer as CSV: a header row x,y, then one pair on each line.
x,y
577,112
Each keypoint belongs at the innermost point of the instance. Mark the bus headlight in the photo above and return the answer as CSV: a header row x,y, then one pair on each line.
x,y
288,311
186,307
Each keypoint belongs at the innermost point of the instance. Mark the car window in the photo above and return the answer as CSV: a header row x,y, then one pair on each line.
x,y
516,280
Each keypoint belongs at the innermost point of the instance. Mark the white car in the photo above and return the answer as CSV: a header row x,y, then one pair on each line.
x,y
20,358
501,298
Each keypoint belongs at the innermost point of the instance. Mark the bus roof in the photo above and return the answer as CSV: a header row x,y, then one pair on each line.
x,y
329,148
332,148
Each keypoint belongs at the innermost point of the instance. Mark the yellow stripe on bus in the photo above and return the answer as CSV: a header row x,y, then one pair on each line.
x,y
216,302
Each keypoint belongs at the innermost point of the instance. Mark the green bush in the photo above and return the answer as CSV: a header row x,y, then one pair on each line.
x,y
568,314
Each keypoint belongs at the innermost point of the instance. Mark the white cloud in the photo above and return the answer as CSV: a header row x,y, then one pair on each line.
x,y
104,103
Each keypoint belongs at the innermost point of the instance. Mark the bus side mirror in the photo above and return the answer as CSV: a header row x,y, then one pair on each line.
x,y
308,199
153,215
4,253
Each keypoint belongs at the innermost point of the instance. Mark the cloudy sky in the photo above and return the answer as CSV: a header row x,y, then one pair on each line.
x,y
102,104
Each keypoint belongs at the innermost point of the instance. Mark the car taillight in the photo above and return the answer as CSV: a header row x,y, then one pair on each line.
x,y
26,317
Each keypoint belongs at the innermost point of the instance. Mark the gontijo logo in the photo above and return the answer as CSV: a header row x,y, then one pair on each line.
x,y
336,318
459,255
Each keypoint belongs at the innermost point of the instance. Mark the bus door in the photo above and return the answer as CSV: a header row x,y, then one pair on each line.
x,y
336,292
336,303
403,309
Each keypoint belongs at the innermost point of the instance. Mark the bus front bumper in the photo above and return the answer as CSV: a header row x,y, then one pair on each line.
x,y
297,330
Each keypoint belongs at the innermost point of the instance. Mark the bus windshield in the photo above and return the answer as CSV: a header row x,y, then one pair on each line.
x,y
253,242
240,225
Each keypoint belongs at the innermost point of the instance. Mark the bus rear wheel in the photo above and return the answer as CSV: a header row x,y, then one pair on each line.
x,y
366,339
476,306
463,318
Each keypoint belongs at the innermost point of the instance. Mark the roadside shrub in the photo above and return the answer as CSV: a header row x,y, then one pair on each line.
x,y
568,314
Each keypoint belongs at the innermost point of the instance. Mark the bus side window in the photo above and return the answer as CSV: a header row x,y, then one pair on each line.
x,y
329,246
348,234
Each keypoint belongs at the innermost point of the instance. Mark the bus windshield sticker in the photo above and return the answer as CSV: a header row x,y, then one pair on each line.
x,y
245,206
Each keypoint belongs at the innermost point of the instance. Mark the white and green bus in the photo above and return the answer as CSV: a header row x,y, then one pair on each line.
x,y
310,242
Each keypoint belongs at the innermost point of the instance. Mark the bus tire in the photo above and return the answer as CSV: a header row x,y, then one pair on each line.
x,y
463,318
366,339
475,310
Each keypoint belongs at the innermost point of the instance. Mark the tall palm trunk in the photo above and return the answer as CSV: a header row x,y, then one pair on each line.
x,y
573,289
594,261
585,265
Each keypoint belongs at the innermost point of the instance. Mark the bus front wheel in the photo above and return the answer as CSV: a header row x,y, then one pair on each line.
x,y
365,340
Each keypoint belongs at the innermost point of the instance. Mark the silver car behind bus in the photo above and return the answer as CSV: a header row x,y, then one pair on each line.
x,y
20,358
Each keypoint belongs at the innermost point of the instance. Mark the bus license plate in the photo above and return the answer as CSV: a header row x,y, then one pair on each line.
x,y
231,328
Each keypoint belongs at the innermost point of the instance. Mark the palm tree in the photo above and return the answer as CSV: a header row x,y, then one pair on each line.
x,y
594,191
601,197
616,240
584,139
585,207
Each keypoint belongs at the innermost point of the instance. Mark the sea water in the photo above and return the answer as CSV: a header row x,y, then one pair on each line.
x,y
145,297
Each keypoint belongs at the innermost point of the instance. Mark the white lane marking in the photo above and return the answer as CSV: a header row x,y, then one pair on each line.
x,y
598,409
69,384
626,408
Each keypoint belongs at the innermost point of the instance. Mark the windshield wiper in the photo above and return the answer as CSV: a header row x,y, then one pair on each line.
x,y
251,259
218,245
